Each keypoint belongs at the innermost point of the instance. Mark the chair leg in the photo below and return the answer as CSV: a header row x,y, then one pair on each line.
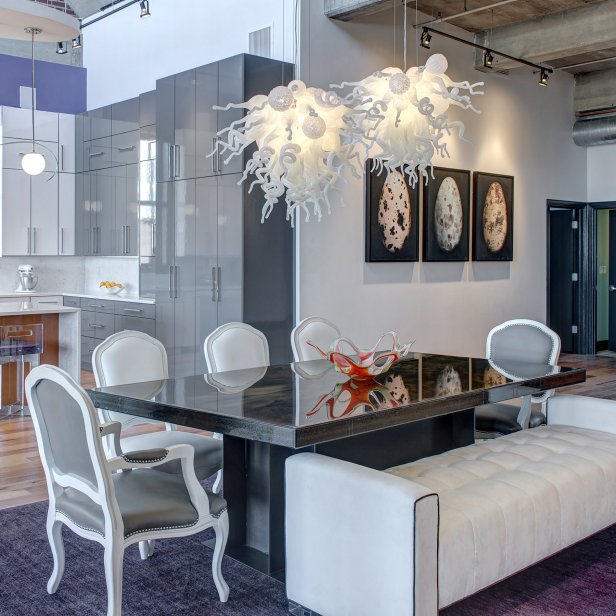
x,y
218,483
146,549
222,533
114,563
54,533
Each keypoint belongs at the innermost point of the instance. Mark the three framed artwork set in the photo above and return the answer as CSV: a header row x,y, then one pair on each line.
x,y
393,221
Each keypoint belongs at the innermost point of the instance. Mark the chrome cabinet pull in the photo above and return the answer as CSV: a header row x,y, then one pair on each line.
x,y
127,239
214,291
28,240
62,157
153,239
95,326
132,310
176,284
171,281
127,148
177,161
123,239
62,240
170,162
219,284
95,154
33,240
214,155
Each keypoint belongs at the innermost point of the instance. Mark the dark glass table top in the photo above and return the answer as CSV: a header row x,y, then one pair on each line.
x,y
305,403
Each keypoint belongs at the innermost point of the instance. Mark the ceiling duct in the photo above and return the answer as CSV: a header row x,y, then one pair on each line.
x,y
597,131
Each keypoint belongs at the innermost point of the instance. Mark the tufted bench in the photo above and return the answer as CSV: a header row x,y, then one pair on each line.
x,y
423,535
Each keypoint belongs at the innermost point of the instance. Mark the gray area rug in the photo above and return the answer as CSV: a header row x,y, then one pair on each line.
x,y
580,581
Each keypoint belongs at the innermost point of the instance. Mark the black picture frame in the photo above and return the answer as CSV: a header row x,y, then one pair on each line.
x,y
498,248
434,245
376,250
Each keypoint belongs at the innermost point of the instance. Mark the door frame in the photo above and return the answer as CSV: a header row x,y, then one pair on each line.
x,y
591,257
584,340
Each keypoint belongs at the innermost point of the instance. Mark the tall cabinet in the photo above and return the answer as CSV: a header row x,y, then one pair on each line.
x,y
214,261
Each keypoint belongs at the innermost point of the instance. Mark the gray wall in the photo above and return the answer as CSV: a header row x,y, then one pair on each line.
x,y
524,130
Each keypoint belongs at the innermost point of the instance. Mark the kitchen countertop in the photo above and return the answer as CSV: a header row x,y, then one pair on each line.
x,y
115,298
11,309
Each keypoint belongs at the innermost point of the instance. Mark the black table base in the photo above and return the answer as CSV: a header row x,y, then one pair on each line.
x,y
254,478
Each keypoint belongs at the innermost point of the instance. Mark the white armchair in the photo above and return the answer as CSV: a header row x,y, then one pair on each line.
x,y
114,509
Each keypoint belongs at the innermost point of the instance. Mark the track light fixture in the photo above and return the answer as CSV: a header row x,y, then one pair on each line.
x,y
76,44
145,8
488,54
61,49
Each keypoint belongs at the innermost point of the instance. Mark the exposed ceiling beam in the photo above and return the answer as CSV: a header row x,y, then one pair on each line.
x,y
595,91
346,10
554,37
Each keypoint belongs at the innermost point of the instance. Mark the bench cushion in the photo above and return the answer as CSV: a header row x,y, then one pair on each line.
x,y
510,502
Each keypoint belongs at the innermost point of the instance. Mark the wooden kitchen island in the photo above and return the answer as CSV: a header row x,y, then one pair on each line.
x,y
61,339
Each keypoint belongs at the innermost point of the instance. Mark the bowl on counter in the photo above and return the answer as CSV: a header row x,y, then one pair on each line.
x,y
110,287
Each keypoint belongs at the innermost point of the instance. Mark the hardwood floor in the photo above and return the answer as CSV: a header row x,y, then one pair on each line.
x,y
21,475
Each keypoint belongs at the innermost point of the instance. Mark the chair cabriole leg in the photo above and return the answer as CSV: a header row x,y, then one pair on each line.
x,y
114,564
54,533
222,533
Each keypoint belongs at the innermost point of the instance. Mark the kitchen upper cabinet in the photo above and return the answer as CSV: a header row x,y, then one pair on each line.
x,y
15,212
100,122
231,90
67,143
126,224
99,153
207,120
176,126
29,213
44,214
125,116
17,124
125,148
147,108
67,216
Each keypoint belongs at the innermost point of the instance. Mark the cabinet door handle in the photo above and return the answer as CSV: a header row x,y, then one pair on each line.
x,y
219,283
177,161
127,239
61,240
214,155
95,306
33,240
55,303
153,239
123,250
132,310
170,162
171,281
176,281
95,326
28,240
214,284
94,154
127,148
62,157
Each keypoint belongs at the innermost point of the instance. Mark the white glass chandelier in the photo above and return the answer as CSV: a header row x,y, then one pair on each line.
x,y
304,144
402,115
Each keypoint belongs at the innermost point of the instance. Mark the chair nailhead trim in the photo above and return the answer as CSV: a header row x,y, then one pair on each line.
x,y
219,513
93,530
147,530
144,461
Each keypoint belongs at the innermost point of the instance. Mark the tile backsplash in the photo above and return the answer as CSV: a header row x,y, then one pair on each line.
x,y
72,274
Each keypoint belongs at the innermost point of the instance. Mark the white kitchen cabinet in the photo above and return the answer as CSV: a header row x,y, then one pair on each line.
x,y
66,214
15,212
66,143
44,214
17,124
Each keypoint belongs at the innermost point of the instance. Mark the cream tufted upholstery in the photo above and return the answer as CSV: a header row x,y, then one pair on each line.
x,y
510,502
423,535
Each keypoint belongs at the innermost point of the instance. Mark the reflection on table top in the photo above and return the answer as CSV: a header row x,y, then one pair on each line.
x,y
308,402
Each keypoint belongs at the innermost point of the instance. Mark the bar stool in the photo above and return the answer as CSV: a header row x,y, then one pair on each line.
x,y
19,344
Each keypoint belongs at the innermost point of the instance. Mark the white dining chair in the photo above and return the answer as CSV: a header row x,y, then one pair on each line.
x,y
134,357
235,346
517,340
318,330
116,509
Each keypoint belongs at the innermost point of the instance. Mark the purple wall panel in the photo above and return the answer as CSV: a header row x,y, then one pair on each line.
x,y
59,87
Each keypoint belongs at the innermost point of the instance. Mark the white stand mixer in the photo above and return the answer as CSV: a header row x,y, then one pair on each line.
x,y
27,279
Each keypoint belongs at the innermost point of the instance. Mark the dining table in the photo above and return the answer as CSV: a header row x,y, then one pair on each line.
x,y
423,405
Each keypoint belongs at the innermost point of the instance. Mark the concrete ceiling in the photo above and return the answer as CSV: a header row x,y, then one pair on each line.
x,y
85,8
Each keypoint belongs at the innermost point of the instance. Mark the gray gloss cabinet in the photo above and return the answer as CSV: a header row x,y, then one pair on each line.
x,y
213,257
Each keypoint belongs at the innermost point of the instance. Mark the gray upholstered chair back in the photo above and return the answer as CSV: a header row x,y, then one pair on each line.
x,y
523,340
67,428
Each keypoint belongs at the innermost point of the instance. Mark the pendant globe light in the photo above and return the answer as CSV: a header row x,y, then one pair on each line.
x,y
33,163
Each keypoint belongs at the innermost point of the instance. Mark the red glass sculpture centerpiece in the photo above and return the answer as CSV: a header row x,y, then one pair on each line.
x,y
362,365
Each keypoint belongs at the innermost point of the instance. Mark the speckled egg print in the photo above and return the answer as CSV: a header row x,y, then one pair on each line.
x,y
395,212
448,382
448,216
394,384
495,218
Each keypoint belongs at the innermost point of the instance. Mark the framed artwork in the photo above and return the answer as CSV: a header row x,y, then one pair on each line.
x,y
392,217
492,217
446,215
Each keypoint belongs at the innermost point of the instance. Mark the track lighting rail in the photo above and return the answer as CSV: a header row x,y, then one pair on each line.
x,y
427,33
